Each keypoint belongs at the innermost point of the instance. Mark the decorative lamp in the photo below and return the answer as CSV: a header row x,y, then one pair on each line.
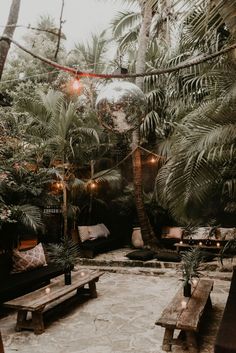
x,y
121,106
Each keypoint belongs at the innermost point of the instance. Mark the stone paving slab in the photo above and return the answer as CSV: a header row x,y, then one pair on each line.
x,y
121,320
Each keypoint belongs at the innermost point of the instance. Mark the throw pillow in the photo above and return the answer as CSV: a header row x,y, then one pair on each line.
x,y
83,233
142,255
167,256
98,231
172,232
29,259
227,233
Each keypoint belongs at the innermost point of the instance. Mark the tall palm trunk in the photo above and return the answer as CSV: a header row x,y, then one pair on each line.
x,y
146,229
9,31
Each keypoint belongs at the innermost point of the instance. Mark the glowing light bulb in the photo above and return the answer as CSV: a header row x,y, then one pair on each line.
x,y
153,160
76,85
200,243
82,273
93,185
218,244
47,290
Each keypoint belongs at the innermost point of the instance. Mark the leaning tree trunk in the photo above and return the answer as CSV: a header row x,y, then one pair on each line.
x,y
9,31
146,229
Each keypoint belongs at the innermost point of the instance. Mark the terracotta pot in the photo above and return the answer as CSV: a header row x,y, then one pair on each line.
x,y
136,239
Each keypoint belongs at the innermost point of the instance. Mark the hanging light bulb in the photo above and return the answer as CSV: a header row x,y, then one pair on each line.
x,y
152,160
93,185
74,86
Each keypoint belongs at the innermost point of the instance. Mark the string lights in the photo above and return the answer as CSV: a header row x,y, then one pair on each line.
x,y
183,65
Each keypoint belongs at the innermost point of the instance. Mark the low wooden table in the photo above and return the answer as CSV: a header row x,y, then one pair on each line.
x,y
175,316
35,302
185,246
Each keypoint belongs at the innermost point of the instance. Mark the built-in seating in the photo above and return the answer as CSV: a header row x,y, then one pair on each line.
x,y
16,284
96,239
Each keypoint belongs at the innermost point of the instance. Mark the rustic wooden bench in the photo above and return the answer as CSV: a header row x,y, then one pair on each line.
x,y
186,317
35,302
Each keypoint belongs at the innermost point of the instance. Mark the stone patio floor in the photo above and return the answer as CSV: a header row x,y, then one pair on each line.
x,y
122,318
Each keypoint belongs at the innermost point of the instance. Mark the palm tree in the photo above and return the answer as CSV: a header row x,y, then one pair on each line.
x,y
9,31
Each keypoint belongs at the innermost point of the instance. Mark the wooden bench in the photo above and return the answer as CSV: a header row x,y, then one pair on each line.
x,y
186,319
36,301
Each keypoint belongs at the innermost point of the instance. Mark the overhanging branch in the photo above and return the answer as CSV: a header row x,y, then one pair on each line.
x,y
196,61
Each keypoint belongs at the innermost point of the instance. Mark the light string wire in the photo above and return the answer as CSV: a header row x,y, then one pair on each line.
x,y
124,159
30,76
76,72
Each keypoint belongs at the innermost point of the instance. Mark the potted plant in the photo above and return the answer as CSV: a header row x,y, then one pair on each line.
x,y
191,261
64,255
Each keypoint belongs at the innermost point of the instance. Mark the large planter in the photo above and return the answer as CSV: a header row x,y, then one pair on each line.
x,y
187,289
67,277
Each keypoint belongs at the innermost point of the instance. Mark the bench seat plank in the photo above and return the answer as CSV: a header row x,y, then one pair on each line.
x,y
37,299
174,316
190,317
171,313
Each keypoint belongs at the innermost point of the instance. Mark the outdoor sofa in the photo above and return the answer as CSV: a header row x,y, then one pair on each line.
x,y
97,238
14,284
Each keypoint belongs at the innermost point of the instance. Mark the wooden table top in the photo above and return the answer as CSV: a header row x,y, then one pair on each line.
x,y
176,316
53,291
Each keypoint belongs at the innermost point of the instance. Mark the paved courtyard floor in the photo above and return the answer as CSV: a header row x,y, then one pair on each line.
x,y
121,320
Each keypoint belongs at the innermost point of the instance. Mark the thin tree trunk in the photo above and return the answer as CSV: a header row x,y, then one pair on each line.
x,y
9,31
146,229
59,31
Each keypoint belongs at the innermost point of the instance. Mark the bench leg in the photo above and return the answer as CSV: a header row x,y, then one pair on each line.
x,y
37,322
21,320
1,344
167,340
192,342
92,289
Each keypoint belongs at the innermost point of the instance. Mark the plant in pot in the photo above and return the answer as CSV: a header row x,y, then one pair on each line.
x,y
64,255
190,265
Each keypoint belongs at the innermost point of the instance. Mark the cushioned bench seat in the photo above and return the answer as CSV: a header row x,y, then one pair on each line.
x,y
226,337
91,248
24,271
17,284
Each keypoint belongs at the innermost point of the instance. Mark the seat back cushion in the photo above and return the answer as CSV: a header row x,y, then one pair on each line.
x,y
93,232
28,259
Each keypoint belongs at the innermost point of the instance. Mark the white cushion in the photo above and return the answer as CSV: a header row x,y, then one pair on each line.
x,y
98,231
83,233
227,233
93,232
